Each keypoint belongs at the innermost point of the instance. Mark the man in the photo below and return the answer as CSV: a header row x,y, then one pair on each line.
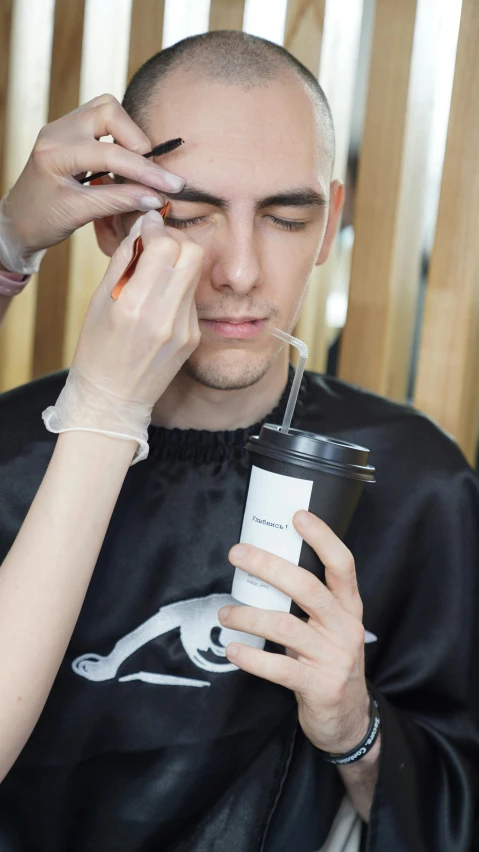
x,y
154,736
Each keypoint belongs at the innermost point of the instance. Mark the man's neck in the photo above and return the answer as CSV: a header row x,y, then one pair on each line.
x,y
187,404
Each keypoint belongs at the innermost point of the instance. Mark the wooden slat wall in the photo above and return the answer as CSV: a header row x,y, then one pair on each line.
x,y
326,35
448,376
26,112
226,14
95,50
303,37
5,26
365,338
146,34
88,263
304,31
376,345
54,271
409,241
337,75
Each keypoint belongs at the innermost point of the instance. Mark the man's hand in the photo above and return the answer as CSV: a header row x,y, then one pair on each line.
x,y
324,662
48,203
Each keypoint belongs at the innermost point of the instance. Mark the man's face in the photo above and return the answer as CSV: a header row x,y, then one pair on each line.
x,y
258,199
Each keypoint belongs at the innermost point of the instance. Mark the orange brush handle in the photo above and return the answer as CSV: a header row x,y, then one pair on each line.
x,y
137,250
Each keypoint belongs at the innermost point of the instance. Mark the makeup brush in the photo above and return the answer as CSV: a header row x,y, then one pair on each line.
x,y
158,151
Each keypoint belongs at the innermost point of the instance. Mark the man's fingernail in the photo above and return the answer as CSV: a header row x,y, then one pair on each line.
x,y
303,518
149,202
224,613
238,551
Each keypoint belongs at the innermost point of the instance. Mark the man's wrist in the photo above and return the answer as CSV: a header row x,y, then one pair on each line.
x,y
361,740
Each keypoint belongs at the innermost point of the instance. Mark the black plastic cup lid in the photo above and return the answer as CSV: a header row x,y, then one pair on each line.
x,y
317,452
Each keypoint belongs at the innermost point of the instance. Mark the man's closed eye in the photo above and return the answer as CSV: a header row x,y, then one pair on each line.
x,y
284,224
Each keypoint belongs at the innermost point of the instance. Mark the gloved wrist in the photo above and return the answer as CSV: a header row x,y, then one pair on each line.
x,y
12,284
86,406
15,255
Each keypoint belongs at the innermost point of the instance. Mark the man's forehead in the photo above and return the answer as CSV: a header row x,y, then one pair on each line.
x,y
260,127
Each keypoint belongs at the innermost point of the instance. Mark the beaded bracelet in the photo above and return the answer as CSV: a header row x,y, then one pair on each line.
x,y
364,746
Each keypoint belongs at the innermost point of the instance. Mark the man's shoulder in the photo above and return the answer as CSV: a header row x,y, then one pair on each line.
x,y
387,428
21,412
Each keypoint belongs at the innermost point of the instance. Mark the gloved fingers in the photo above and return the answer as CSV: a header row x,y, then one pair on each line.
x,y
107,117
65,159
101,116
119,261
76,135
110,199
177,246
132,136
157,262
166,264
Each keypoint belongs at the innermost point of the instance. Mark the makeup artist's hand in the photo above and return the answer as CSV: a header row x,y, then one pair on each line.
x,y
324,661
47,203
130,349
137,344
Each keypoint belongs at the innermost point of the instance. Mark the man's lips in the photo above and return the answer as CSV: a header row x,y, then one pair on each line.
x,y
239,328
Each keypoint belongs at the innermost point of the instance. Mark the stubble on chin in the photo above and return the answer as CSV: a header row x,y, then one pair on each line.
x,y
211,373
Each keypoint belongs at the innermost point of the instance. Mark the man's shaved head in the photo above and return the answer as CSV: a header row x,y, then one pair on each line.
x,y
230,57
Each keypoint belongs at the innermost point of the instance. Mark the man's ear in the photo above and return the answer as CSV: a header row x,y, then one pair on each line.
x,y
336,201
109,231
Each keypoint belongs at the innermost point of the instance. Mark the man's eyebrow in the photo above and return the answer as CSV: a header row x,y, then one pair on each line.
x,y
300,197
200,196
296,197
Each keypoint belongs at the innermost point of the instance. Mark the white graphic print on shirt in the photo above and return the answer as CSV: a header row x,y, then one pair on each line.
x,y
196,619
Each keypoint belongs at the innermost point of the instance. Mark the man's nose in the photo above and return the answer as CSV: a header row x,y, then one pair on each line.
x,y
236,264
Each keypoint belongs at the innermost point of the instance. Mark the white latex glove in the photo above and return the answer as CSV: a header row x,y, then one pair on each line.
x,y
47,203
130,349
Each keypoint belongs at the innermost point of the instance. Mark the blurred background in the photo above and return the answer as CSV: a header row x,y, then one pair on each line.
x,y
395,309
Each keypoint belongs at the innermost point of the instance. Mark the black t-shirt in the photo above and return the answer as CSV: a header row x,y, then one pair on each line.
x,y
152,740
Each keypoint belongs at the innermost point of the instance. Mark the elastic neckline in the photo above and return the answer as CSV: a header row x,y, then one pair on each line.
x,y
202,446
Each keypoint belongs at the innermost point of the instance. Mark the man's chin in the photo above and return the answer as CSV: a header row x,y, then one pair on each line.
x,y
228,371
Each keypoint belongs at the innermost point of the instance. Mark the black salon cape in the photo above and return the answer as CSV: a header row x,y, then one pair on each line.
x,y
133,762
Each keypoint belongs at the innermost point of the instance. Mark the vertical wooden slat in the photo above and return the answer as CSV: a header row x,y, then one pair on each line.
x,y
5,26
303,37
337,75
53,275
365,337
409,242
447,385
304,30
146,35
327,34
27,110
103,69
226,14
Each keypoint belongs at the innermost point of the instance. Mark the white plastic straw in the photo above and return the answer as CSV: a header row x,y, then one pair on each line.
x,y
303,354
